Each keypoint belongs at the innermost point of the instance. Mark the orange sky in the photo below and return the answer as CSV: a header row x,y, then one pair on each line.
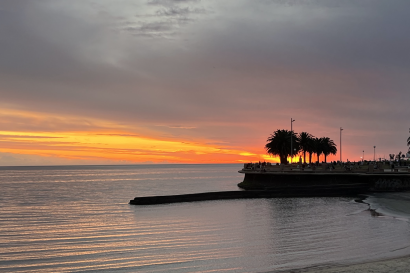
x,y
118,147
35,138
108,143
124,148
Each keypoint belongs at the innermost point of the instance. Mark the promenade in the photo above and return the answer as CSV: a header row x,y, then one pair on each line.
x,y
349,167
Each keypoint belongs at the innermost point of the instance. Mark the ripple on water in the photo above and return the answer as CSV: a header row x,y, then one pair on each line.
x,y
86,225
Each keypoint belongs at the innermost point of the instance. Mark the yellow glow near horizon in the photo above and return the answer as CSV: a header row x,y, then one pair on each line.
x,y
117,146
80,139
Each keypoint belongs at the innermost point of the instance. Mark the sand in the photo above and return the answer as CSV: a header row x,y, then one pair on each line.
x,y
398,265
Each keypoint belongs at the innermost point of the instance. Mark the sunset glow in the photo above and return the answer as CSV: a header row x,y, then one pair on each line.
x,y
118,147
108,142
105,142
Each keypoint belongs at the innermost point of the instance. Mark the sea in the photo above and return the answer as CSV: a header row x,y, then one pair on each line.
x,y
78,219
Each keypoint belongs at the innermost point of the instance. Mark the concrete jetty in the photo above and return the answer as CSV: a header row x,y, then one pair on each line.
x,y
298,191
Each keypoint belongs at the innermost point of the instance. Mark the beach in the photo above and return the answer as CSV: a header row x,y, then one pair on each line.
x,y
393,205
397,265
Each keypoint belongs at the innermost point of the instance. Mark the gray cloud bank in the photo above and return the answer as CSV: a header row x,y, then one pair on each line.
x,y
231,71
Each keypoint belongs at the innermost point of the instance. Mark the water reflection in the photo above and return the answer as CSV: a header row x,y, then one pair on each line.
x,y
78,219
270,234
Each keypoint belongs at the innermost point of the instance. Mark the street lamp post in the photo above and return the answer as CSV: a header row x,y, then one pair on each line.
x,y
341,144
291,141
374,155
363,155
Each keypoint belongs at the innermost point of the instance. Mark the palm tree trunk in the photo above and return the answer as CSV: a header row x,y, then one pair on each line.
x,y
325,159
282,159
304,157
310,158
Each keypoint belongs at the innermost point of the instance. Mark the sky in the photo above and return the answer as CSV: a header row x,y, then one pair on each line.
x,y
199,81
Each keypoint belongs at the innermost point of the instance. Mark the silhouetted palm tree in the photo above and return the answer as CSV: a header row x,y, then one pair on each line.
x,y
318,147
279,144
311,148
328,146
305,143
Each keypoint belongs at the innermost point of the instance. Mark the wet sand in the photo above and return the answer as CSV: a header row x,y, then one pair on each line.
x,y
397,265
395,205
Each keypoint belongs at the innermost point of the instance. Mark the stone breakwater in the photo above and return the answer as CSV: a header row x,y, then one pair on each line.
x,y
297,191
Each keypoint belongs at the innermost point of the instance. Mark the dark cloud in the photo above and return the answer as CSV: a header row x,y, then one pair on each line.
x,y
170,2
180,12
153,29
165,21
53,46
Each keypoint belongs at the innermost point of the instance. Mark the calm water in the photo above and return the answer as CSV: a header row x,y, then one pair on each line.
x,y
77,219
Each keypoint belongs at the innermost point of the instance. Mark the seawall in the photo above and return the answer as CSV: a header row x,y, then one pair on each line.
x,y
373,181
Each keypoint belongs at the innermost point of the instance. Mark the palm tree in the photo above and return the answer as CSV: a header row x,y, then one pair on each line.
x,y
328,146
279,144
318,147
311,148
305,144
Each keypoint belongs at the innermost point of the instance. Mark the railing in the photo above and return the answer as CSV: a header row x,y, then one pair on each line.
x,y
324,168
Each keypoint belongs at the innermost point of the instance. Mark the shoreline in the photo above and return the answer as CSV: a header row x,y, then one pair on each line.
x,y
398,264
388,265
